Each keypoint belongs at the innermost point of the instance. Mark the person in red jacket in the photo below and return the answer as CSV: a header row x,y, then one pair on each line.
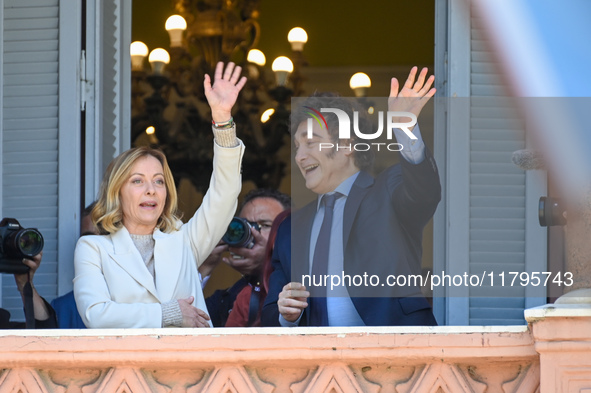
x,y
245,313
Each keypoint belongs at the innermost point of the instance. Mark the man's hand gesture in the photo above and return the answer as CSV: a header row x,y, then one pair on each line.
x,y
293,299
249,261
414,95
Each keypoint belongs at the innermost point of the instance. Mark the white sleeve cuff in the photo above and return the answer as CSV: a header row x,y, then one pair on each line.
x,y
285,323
413,150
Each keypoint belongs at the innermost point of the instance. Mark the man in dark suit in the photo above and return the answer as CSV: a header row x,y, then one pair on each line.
x,y
374,230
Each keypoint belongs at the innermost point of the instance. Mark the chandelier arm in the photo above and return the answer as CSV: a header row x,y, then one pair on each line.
x,y
217,30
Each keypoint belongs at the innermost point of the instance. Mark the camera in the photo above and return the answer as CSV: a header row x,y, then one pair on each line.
x,y
239,233
551,212
17,243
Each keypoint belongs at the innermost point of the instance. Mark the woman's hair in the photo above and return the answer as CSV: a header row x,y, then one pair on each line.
x,y
107,214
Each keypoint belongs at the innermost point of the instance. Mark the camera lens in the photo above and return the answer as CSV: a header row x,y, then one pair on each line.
x,y
239,233
29,242
17,243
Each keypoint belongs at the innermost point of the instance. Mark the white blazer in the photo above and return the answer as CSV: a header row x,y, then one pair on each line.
x,y
112,285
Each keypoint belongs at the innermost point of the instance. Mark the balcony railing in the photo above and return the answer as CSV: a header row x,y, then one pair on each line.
x,y
552,354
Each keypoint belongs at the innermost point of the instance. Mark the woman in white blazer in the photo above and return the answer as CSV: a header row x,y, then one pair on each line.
x,y
141,272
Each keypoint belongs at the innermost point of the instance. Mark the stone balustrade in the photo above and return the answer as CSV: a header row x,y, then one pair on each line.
x,y
552,354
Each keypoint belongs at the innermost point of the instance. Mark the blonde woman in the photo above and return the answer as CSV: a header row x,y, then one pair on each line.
x,y
141,271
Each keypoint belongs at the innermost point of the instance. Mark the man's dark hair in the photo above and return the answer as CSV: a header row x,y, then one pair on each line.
x,y
88,209
87,212
363,159
283,199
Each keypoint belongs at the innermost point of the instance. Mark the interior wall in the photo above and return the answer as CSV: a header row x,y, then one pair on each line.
x,y
340,32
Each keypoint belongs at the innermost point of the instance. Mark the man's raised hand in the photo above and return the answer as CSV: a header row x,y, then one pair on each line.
x,y
414,94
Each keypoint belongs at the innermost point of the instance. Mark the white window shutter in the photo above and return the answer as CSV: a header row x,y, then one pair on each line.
x,y
30,132
108,73
45,84
488,223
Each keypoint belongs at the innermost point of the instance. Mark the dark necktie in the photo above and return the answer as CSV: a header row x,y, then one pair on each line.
x,y
318,311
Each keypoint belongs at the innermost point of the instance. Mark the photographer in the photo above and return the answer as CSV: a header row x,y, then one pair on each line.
x,y
259,207
44,313
20,254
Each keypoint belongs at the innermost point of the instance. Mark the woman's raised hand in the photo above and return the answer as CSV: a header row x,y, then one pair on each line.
x,y
222,94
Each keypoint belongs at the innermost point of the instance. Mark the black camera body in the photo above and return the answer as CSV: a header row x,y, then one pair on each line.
x,y
17,243
239,233
551,212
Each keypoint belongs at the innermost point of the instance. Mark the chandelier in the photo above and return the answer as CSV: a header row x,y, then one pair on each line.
x,y
169,108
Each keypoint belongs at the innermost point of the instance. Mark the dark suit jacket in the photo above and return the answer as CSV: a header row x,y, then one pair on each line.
x,y
383,227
